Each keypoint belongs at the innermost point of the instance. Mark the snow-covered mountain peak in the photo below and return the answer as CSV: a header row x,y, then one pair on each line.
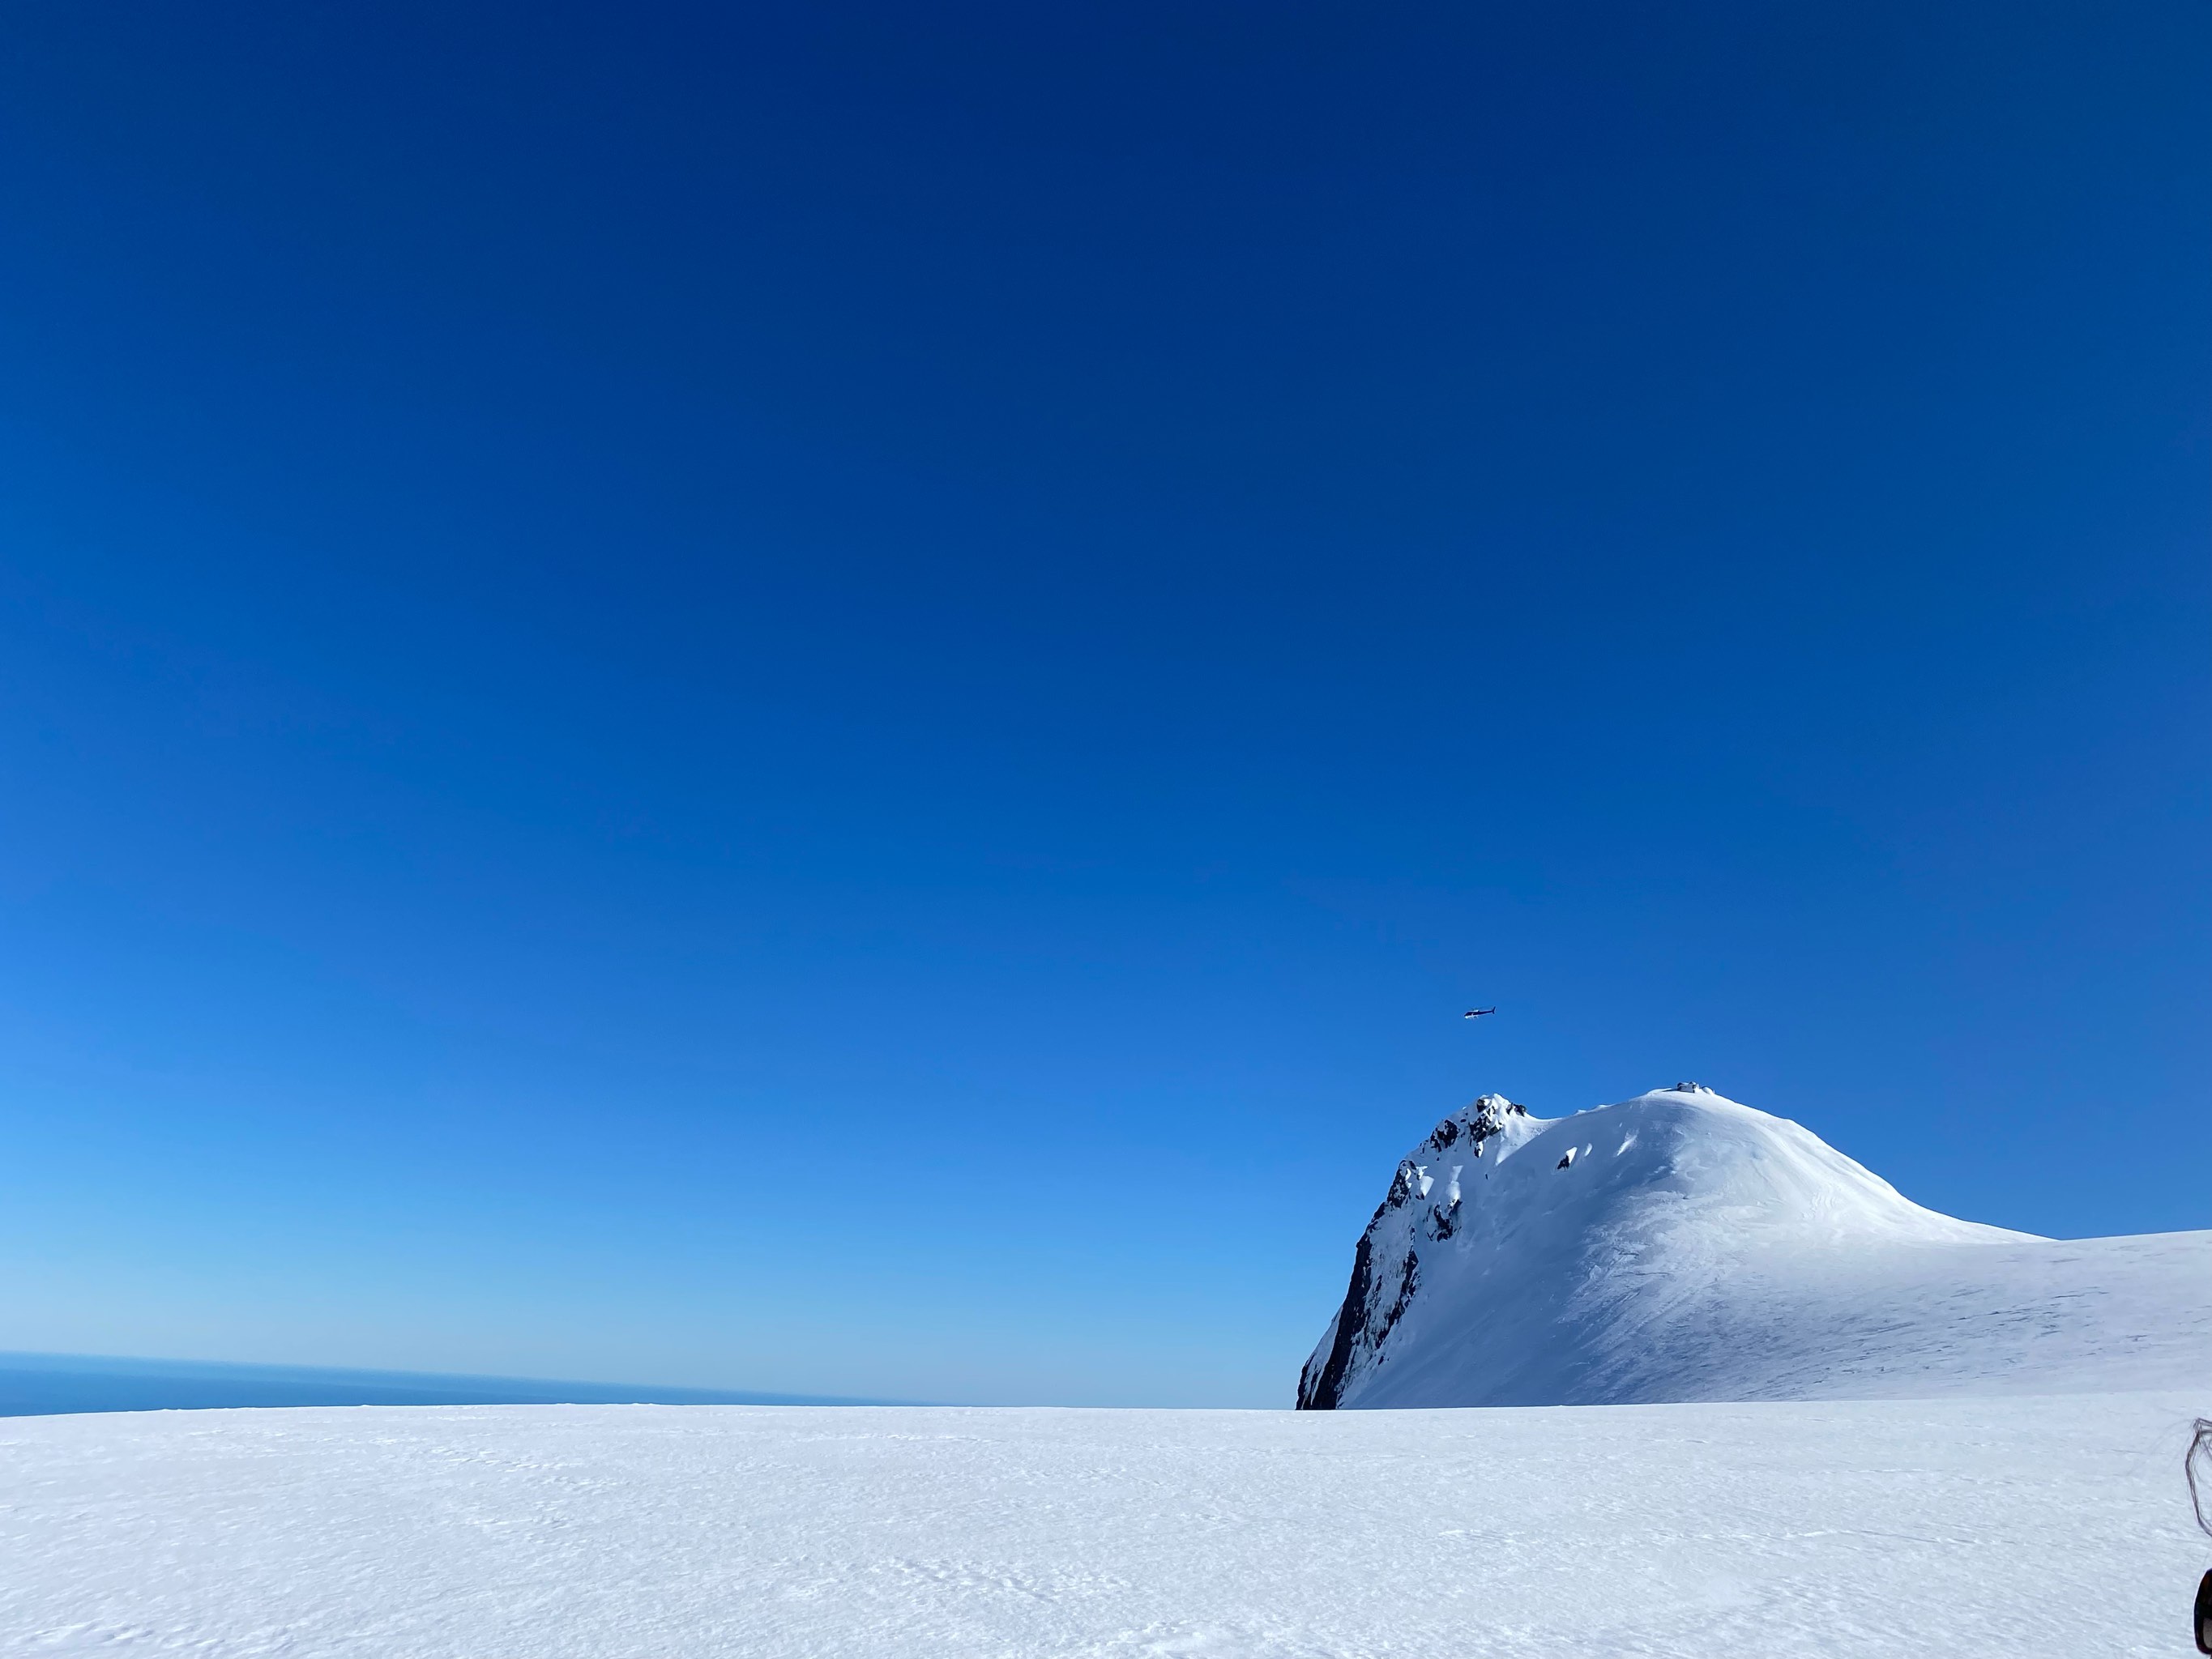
x,y
1683,1245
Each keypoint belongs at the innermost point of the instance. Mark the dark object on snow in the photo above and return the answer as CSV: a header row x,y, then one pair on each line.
x,y
1568,1159
2204,1613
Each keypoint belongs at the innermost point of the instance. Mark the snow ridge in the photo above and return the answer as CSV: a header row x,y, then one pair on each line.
x,y
1684,1246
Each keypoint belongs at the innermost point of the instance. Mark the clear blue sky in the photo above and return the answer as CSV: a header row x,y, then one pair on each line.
x,y
842,699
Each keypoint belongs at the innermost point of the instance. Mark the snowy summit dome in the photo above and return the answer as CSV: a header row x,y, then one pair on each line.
x,y
1683,1246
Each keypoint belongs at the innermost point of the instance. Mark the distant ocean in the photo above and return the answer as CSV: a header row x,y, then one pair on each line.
x,y
44,1384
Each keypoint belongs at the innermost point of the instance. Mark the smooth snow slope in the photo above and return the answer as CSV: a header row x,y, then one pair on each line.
x,y
1682,1246
2029,1529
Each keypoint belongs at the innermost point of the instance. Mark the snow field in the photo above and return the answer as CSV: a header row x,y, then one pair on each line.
x,y
2014,1526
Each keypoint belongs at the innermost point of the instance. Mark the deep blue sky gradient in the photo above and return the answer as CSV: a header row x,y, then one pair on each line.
x,y
841,700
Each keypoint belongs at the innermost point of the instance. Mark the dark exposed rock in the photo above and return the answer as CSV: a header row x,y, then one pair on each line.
x,y
1401,1188
1401,1184
1409,1281
1320,1394
1378,1296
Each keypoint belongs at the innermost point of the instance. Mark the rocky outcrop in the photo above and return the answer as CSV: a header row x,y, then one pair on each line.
x,y
1423,1205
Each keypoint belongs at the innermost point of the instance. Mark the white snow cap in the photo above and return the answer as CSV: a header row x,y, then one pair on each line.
x,y
1684,1246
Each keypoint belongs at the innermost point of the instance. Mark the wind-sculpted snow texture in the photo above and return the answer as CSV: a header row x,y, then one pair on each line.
x,y
1971,1529
1682,1246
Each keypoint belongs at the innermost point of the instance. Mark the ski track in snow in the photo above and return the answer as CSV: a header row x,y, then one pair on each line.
x,y
2013,1525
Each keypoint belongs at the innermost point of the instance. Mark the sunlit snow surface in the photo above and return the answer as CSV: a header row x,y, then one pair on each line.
x,y
2039,1526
